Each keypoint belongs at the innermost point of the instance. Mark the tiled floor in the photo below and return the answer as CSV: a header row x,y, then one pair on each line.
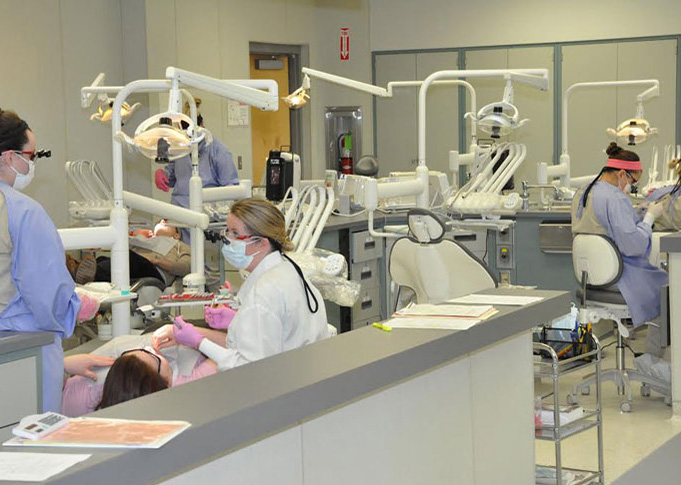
x,y
627,437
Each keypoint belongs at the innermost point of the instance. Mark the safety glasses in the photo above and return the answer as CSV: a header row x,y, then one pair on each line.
x,y
227,236
33,154
146,351
634,183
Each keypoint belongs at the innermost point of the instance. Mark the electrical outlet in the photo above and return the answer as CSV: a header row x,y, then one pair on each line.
x,y
504,278
239,162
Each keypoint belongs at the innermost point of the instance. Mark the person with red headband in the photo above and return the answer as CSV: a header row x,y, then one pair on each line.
x,y
605,208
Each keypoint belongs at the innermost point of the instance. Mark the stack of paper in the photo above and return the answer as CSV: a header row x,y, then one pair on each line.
x,y
509,300
478,312
566,414
430,322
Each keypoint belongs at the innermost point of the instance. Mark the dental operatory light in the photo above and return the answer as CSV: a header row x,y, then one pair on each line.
x,y
162,138
637,130
104,111
634,130
500,118
298,98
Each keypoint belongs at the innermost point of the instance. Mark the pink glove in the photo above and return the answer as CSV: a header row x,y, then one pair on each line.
x,y
162,181
186,334
219,317
88,307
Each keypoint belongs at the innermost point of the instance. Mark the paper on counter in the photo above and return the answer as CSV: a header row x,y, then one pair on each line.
x,y
35,467
460,311
432,323
108,433
509,300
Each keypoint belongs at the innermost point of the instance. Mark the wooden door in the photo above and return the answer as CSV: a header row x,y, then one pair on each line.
x,y
269,129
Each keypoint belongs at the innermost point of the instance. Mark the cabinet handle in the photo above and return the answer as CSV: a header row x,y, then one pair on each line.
x,y
367,303
369,243
365,274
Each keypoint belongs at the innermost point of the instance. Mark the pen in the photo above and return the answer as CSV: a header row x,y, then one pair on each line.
x,y
382,326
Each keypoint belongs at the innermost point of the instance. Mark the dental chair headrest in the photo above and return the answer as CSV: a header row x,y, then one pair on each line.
x,y
425,226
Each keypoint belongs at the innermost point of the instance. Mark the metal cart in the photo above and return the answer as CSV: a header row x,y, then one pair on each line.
x,y
555,369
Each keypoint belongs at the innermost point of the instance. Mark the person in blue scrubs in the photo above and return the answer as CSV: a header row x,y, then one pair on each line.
x,y
216,169
605,208
37,292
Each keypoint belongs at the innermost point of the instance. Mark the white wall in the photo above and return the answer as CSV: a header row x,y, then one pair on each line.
x,y
212,37
50,50
405,24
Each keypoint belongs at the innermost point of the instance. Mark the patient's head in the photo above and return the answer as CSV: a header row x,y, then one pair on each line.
x,y
134,374
163,229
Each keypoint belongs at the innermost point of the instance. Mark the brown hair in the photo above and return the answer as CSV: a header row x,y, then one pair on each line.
x,y
12,131
615,152
675,165
130,378
618,153
263,219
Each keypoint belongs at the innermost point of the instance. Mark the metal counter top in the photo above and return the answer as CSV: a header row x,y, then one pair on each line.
x,y
237,407
15,341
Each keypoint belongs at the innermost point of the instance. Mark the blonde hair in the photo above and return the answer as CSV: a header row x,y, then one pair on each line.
x,y
263,219
675,165
187,108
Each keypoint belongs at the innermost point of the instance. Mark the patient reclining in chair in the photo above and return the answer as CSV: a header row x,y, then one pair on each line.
x,y
137,371
158,254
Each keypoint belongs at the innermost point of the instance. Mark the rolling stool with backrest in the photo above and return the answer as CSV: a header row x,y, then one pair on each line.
x,y
598,266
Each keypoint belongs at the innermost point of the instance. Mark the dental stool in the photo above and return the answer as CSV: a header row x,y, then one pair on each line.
x,y
597,264
436,269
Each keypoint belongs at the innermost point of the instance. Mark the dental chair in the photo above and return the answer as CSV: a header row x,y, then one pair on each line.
x,y
436,269
597,264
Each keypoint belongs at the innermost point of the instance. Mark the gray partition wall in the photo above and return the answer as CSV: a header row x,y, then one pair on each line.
x,y
397,149
536,105
590,111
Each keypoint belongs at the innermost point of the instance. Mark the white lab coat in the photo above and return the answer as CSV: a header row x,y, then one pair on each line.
x,y
273,316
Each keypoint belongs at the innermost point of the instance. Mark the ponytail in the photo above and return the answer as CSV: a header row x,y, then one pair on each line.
x,y
588,189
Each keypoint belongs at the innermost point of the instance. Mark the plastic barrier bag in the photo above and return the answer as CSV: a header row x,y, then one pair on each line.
x,y
328,272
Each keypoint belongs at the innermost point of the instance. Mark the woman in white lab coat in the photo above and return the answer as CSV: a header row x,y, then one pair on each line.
x,y
279,309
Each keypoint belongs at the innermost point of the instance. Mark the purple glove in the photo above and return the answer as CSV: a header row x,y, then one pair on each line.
x,y
186,334
88,307
161,180
219,317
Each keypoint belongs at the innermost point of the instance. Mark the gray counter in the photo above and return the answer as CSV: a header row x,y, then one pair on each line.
x,y
16,341
671,243
21,374
238,407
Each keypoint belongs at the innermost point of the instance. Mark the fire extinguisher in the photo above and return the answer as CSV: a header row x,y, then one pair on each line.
x,y
345,153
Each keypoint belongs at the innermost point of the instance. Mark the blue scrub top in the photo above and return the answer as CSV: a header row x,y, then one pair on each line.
x,y
216,169
641,282
45,298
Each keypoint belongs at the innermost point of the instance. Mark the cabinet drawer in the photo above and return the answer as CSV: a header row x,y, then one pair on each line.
x,y
365,247
365,273
369,304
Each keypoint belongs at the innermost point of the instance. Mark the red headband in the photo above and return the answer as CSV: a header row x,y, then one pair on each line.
x,y
624,164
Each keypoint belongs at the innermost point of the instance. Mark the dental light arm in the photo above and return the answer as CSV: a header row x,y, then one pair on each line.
x,y
388,92
239,91
562,170
165,210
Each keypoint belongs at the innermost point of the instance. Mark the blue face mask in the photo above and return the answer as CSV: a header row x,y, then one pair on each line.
x,y
235,253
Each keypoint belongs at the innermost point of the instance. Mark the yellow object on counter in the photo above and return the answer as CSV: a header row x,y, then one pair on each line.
x,y
383,327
